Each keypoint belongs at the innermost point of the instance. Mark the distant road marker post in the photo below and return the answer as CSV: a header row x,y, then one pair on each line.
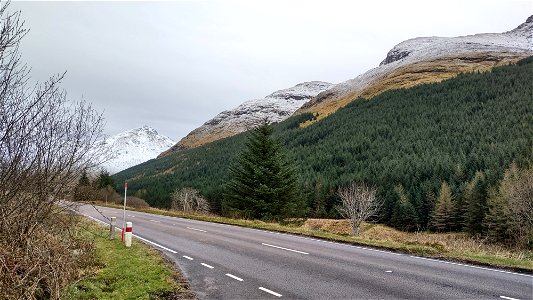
x,y
124,211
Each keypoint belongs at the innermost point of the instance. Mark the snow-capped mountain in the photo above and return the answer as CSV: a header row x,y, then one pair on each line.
x,y
275,107
131,148
428,59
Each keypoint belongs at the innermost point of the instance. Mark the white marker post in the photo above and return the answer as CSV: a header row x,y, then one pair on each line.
x,y
124,211
112,228
128,235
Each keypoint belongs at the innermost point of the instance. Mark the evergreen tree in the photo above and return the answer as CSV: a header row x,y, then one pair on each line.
x,y
443,216
498,223
404,215
104,180
475,201
83,191
262,184
84,180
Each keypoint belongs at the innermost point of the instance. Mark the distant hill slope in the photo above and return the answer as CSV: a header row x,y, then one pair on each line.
x,y
132,147
416,137
275,107
428,59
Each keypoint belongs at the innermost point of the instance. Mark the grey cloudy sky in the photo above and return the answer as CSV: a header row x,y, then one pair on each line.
x,y
174,65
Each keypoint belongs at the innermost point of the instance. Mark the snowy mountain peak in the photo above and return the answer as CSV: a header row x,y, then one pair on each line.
x,y
132,147
520,38
305,90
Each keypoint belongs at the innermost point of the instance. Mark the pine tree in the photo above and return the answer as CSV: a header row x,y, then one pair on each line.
x,y
498,223
442,218
83,191
475,201
104,179
262,184
404,215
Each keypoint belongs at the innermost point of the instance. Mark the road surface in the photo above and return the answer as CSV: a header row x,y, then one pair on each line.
x,y
230,262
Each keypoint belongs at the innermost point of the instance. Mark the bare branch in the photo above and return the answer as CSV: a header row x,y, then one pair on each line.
x,y
359,203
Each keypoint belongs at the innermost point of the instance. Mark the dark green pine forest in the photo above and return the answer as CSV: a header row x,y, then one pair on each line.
x,y
463,132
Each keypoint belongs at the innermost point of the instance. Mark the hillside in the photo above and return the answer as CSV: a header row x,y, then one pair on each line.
x,y
275,107
132,147
425,60
416,137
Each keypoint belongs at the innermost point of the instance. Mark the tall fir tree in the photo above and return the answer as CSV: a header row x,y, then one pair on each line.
x,y
475,202
442,218
404,214
262,183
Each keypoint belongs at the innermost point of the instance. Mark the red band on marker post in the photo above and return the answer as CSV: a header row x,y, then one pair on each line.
x,y
128,234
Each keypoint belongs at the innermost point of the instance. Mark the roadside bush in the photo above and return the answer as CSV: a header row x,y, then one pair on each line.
x,y
45,146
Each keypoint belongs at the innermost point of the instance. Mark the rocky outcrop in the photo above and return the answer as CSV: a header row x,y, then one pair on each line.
x,y
275,107
428,59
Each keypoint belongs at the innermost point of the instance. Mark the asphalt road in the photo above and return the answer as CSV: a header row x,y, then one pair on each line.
x,y
230,262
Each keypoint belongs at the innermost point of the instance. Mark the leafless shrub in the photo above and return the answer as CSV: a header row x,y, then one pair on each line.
x,y
136,202
359,203
44,147
189,200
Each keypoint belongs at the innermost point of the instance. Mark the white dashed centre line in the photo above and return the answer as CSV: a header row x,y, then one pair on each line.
x,y
234,277
282,248
270,292
388,271
187,257
196,229
508,298
155,221
207,266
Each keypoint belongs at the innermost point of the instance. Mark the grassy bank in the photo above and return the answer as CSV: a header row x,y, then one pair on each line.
x,y
448,246
118,272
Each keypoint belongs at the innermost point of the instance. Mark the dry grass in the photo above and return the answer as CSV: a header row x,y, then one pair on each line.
x,y
442,242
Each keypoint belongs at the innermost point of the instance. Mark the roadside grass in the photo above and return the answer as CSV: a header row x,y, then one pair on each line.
x,y
457,247
138,272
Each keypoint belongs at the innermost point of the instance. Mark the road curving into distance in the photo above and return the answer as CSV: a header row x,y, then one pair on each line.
x,y
230,262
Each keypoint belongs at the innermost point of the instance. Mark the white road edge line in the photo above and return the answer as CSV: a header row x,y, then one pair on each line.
x,y
155,244
469,266
234,277
508,298
207,266
187,257
140,238
273,246
270,292
196,229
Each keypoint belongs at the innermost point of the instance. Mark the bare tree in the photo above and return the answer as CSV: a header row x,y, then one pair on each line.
x,y
189,200
359,203
45,143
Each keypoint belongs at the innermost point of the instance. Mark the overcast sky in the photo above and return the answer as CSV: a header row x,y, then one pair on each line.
x,y
175,65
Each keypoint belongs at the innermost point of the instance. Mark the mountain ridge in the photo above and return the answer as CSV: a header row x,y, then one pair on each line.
x,y
275,107
428,59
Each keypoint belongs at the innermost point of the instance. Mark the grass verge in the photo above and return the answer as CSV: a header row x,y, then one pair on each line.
x,y
455,247
138,272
